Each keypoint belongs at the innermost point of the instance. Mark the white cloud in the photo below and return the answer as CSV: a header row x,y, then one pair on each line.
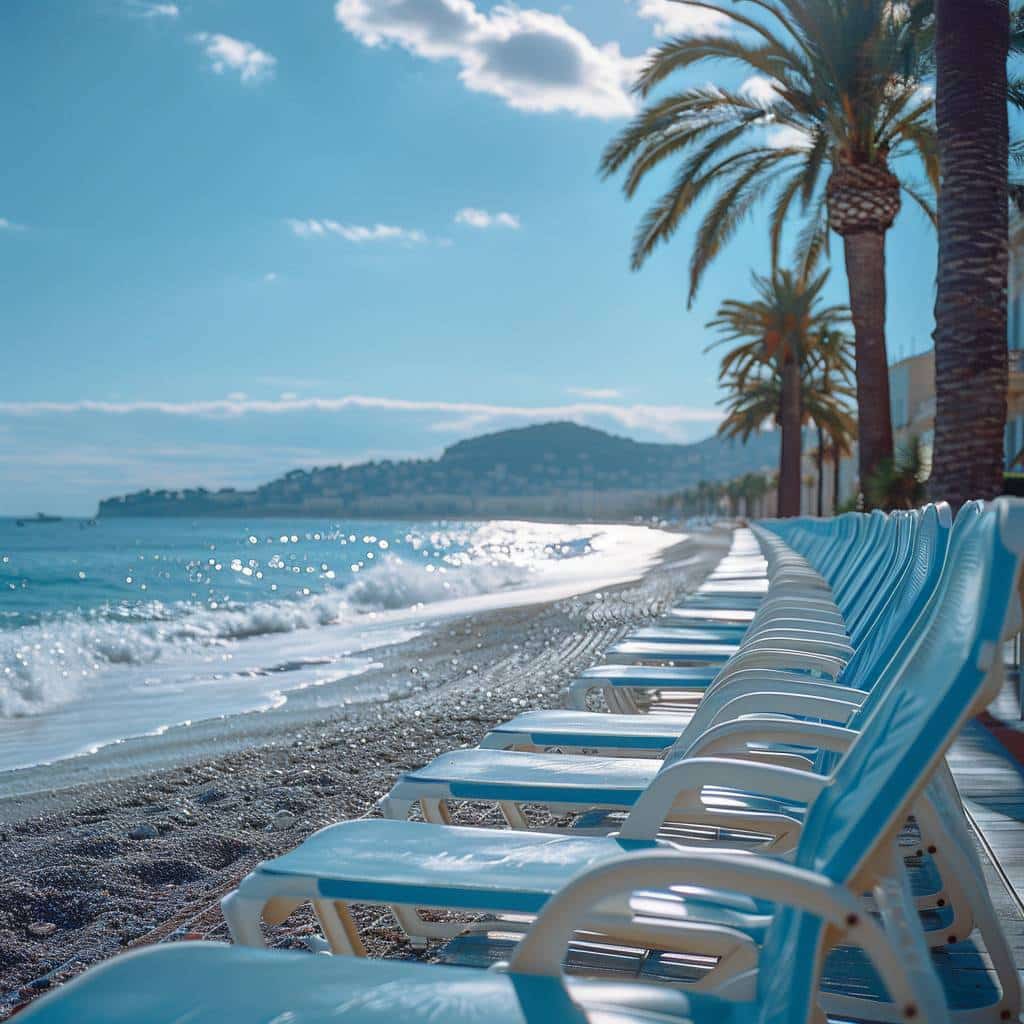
x,y
158,10
671,18
782,136
270,278
760,89
482,219
598,394
316,228
533,60
226,52
149,9
666,420
9,225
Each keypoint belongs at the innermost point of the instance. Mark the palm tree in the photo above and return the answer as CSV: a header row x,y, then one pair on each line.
x,y
780,330
755,487
753,401
834,103
971,46
836,373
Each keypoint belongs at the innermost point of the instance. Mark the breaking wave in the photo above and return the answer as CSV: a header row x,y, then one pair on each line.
x,y
47,664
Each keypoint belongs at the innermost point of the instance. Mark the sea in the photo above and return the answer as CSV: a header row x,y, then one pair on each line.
x,y
119,628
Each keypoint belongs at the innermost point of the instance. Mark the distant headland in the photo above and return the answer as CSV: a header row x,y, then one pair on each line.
x,y
551,470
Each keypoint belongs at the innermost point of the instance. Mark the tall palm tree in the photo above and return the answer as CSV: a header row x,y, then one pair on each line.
x,y
832,102
971,46
779,330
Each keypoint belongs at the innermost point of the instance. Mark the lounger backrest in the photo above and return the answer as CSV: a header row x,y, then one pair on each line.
x,y
943,676
953,668
863,615
906,602
870,550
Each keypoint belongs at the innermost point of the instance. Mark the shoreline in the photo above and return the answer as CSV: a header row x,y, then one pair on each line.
x,y
98,865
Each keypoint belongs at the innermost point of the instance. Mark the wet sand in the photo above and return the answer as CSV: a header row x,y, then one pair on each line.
x,y
140,842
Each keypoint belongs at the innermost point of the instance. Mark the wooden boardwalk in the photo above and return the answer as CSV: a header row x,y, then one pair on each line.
x,y
991,782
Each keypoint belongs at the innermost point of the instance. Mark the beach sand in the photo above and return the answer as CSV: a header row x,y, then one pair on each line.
x,y
138,843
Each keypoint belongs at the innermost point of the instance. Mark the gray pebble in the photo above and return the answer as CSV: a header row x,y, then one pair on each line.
x,y
282,820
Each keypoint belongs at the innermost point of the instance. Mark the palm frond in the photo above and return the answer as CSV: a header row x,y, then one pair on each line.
x,y
729,211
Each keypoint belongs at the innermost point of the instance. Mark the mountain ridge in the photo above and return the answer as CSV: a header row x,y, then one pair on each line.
x,y
542,470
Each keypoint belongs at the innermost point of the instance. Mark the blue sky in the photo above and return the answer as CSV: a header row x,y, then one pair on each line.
x,y
238,237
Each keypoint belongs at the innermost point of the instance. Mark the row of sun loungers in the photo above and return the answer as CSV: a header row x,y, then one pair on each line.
x,y
766,798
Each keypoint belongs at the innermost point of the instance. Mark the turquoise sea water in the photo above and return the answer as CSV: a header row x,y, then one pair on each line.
x,y
126,626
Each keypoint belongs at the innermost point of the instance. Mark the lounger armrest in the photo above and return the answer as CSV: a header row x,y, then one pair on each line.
x,y
781,681
542,949
766,681
792,642
732,736
773,657
688,776
835,712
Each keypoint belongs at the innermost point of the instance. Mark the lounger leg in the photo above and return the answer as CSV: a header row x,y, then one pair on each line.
x,y
972,891
243,919
397,810
513,815
419,930
435,811
620,701
277,911
338,927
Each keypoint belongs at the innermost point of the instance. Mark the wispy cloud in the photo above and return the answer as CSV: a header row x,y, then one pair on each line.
x,y
760,89
145,9
665,420
670,18
533,60
270,278
598,394
226,53
784,136
316,228
10,225
476,218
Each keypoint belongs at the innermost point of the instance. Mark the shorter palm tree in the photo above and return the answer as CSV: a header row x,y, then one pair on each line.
x,y
779,337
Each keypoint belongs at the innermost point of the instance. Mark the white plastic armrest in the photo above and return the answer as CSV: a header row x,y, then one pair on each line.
x,y
730,737
542,949
835,712
793,642
690,775
781,681
773,657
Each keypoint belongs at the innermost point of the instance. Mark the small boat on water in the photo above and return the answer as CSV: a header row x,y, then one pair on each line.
x,y
40,517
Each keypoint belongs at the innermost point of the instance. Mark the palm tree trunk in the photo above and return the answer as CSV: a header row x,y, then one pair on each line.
x,y
865,270
821,472
971,43
836,459
789,449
